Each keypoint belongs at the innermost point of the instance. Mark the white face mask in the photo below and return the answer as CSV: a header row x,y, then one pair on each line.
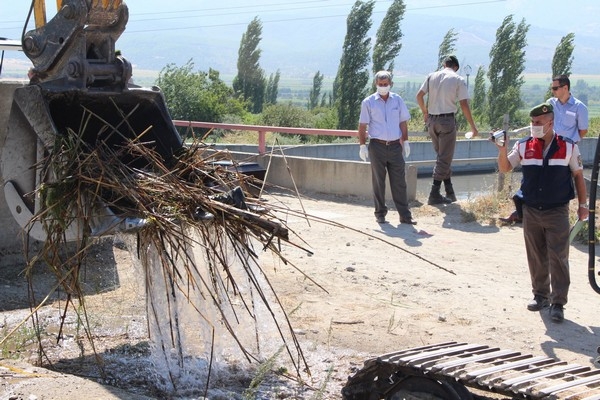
x,y
383,90
537,131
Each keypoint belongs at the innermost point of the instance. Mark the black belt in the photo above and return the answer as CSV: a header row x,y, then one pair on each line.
x,y
442,115
542,207
386,142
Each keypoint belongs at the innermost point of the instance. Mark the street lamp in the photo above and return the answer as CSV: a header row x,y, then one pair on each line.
x,y
468,70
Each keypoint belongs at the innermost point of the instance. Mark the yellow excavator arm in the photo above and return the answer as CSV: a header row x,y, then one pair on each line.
x,y
79,87
39,12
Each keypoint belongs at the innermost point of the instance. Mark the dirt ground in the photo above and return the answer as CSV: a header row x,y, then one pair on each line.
x,y
388,287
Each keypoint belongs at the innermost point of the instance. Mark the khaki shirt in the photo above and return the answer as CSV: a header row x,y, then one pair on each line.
x,y
444,89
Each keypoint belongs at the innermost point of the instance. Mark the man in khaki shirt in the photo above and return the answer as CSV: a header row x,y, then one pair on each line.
x,y
444,88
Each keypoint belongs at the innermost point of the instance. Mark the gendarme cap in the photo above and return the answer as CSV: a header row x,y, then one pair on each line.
x,y
541,109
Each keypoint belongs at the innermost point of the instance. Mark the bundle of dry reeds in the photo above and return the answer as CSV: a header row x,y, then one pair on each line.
x,y
187,202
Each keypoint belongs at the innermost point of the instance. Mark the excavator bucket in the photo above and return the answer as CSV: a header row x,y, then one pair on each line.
x,y
37,116
80,85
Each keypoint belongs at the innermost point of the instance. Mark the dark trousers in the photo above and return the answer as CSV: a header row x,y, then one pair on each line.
x,y
388,159
546,234
442,130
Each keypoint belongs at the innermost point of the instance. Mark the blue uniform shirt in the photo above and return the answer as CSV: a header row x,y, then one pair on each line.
x,y
569,118
384,117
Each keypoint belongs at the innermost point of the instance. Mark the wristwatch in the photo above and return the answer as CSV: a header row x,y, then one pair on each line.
x,y
583,205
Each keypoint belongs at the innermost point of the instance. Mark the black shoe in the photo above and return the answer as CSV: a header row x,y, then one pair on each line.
x,y
537,303
512,218
556,313
437,198
408,220
450,195
381,220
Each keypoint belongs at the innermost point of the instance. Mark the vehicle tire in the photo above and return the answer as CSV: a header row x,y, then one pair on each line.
x,y
425,388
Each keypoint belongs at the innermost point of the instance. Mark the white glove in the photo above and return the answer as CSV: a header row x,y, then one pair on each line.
x,y
363,152
405,149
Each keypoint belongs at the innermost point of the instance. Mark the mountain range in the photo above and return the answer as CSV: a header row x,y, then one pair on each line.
x,y
299,47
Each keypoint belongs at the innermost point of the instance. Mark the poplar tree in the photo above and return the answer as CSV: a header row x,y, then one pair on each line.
x,y
315,92
250,82
563,58
388,39
350,84
272,88
478,105
505,73
447,47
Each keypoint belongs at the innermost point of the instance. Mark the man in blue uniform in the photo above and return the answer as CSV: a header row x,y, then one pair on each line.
x,y
550,164
570,114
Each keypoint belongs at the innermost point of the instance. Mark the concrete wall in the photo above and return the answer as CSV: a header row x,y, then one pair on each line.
x,y
469,156
346,178
349,176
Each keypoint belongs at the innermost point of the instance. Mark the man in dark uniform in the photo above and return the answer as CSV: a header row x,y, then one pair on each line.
x,y
550,164
570,120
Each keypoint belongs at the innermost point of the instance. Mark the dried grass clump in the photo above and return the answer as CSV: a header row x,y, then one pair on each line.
x,y
494,203
86,183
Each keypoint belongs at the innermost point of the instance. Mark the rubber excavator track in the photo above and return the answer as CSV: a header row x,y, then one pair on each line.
x,y
445,370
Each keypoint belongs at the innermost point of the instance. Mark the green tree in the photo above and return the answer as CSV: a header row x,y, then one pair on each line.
x,y
315,91
324,118
286,115
272,88
507,63
478,105
250,82
387,41
447,47
197,96
327,100
350,84
563,58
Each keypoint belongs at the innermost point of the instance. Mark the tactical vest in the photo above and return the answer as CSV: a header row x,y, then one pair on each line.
x,y
547,181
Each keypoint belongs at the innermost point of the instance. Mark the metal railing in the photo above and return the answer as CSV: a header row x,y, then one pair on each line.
x,y
262,130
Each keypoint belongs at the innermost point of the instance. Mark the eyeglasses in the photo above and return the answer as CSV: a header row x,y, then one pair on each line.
x,y
557,87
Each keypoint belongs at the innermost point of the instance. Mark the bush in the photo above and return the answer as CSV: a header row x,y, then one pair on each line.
x,y
197,96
